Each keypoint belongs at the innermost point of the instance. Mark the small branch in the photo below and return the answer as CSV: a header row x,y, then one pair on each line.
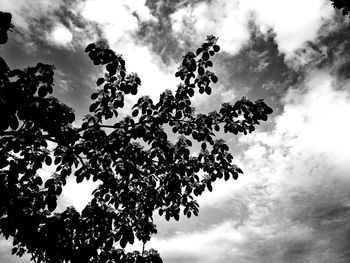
x,y
33,257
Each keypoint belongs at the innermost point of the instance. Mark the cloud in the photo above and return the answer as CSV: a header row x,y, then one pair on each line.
x,y
60,36
25,12
119,22
294,22
190,247
117,18
5,252
294,191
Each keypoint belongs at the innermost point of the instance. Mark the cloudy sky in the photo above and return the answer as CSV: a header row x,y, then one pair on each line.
x,y
293,202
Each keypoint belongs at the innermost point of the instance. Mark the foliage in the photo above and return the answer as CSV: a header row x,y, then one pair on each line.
x,y
140,170
343,5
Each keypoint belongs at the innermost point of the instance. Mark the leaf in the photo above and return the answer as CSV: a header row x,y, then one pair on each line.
x,y
208,63
48,160
198,51
135,112
238,170
14,122
204,146
58,190
51,203
123,241
216,48
94,96
48,182
133,90
226,175
130,235
100,81
178,115
93,107
210,187
90,47
208,90
214,78
201,71
205,56
235,175
268,110
42,92
38,180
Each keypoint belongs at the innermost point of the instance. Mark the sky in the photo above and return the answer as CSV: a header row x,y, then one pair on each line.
x,y
293,202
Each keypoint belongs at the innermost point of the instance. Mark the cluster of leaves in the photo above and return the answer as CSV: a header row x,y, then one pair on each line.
x,y
140,170
5,25
343,5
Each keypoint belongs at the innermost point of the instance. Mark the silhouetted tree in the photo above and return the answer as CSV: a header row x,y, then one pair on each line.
x,y
343,5
140,170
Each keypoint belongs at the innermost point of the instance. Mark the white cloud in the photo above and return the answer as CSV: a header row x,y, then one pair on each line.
x,y
77,195
293,21
296,176
23,12
206,246
155,77
119,21
116,18
60,36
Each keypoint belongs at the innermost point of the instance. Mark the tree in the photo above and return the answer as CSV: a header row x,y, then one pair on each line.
x,y
140,170
343,5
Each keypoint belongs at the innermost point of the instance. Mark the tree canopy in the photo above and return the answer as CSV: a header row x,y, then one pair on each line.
x,y
343,5
140,170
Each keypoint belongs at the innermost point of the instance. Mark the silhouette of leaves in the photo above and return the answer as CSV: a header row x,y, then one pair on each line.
x,y
343,5
140,171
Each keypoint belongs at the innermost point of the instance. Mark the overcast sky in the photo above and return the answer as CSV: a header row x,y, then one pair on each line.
x,y
293,202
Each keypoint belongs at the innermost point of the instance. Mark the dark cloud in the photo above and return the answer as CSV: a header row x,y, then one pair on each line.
x,y
73,75
160,35
258,69
232,210
182,258
330,50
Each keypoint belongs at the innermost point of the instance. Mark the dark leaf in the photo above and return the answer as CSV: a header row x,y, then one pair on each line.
x,y
205,56
90,47
100,81
14,122
214,78
93,107
51,203
208,63
208,90
201,71
42,92
94,96
38,180
216,48
268,110
234,175
135,112
48,160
